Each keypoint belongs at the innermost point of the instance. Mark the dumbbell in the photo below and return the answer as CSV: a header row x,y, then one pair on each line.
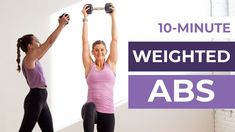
x,y
65,15
107,8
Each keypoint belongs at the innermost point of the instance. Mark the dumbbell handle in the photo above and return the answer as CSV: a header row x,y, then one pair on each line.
x,y
98,8
107,8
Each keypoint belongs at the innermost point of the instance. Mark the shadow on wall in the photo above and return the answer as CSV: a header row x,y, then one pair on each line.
x,y
161,120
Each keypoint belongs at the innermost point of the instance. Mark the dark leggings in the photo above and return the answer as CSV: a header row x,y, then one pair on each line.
x,y
105,122
36,110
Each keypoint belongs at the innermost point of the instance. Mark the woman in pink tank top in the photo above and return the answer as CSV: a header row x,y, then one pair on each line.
x,y
100,76
35,105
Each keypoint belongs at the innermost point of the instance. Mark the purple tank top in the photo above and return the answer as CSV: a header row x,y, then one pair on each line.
x,y
100,88
35,77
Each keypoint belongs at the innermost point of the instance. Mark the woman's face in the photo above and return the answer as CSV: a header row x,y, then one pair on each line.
x,y
99,52
35,42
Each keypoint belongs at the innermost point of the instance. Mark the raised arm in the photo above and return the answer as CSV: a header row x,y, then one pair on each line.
x,y
113,56
51,39
86,57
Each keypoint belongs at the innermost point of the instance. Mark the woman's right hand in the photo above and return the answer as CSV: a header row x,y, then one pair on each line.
x,y
64,19
113,10
84,10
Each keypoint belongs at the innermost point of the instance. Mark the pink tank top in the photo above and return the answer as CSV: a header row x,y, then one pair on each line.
x,y
100,88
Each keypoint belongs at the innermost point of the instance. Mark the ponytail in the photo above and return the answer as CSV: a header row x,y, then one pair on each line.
x,y
22,43
18,54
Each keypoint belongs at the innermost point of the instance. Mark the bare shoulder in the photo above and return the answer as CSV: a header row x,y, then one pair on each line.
x,y
29,61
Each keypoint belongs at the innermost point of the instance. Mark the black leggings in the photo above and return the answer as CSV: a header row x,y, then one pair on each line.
x,y
36,110
105,122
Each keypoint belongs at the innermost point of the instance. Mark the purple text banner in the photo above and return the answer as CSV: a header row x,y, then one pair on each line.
x,y
181,56
181,91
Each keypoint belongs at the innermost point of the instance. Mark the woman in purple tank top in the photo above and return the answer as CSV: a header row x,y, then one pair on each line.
x,y
35,105
100,76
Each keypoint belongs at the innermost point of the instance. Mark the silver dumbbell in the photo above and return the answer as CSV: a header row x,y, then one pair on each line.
x,y
107,8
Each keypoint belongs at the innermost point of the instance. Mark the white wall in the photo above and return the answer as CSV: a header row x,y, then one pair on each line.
x,y
163,120
224,120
